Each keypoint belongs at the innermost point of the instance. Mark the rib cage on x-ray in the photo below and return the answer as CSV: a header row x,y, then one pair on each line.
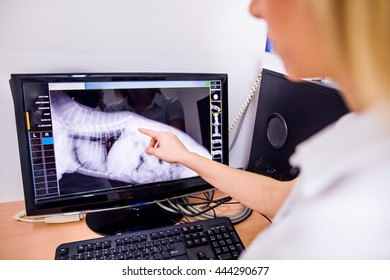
x,y
108,144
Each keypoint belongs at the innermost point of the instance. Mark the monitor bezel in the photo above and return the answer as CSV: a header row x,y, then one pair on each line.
x,y
115,198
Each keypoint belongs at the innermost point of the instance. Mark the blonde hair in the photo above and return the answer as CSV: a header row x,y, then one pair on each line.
x,y
360,30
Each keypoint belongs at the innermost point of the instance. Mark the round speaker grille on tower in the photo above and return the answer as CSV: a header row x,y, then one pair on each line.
x,y
276,131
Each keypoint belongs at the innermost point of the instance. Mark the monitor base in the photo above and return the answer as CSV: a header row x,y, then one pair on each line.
x,y
138,218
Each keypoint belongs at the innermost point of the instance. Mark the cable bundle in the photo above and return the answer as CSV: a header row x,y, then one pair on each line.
x,y
205,208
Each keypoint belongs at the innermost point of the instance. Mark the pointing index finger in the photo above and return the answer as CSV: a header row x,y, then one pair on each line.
x,y
149,132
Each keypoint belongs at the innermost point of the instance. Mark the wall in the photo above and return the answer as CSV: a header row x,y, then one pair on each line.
x,y
125,35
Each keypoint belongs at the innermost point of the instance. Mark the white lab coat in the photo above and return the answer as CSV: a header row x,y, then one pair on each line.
x,y
340,206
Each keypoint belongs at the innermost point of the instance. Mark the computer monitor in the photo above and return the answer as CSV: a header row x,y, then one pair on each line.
x,y
287,114
81,151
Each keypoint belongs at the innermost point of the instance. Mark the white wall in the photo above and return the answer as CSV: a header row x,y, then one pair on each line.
x,y
125,35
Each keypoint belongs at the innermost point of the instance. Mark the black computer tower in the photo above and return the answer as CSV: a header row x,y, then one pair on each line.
x,y
287,114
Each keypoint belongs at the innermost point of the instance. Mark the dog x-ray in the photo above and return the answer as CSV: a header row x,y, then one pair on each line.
x,y
108,145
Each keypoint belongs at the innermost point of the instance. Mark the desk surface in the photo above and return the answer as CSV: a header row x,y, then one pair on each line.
x,y
29,241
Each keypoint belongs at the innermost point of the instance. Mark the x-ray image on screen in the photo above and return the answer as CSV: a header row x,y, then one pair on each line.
x,y
104,149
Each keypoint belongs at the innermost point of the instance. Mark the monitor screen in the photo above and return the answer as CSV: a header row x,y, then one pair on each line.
x,y
80,148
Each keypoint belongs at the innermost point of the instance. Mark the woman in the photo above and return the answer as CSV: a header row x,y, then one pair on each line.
x,y
339,207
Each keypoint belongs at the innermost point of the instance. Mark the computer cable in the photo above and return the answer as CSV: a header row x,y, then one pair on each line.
x,y
244,213
19,217
266,217
239,118
205,208
192,212
236,218
55,219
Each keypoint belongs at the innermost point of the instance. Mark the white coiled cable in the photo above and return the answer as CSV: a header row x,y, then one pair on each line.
x,y
246,103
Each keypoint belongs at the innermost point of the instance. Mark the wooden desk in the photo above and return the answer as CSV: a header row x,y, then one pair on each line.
x,y
29,241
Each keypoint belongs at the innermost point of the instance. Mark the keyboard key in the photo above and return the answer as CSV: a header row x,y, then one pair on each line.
x,y
226,256
201,255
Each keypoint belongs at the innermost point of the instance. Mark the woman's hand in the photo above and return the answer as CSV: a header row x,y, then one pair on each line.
x,y
165,145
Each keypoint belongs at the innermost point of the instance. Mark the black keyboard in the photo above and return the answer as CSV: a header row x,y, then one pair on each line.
x,y
214,239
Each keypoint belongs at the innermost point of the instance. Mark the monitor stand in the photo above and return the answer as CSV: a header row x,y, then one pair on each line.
x,y
136,218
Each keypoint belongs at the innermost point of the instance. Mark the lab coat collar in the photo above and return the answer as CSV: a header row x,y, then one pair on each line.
x,y
353,142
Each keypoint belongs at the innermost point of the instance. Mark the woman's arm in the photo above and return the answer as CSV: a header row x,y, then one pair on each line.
x,y
260,193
